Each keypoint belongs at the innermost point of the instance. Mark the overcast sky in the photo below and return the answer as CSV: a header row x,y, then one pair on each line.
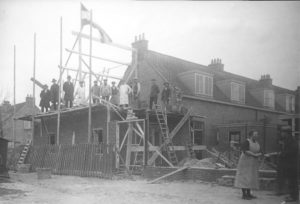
x,y
251,38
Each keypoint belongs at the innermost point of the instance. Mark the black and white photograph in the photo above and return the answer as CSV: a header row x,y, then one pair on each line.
x,y
143,102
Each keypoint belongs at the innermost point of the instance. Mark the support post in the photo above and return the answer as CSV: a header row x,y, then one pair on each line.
x,y
117,146
90,82
59,83
128,148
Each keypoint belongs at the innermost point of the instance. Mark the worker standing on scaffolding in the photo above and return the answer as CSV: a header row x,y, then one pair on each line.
x,y
54,90
45,98
95,92
125,90
166,94
153,93
80,94
136,89
114,94
68,88
105,90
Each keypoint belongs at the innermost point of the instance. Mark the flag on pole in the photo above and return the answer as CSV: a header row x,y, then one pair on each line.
x,y
86,19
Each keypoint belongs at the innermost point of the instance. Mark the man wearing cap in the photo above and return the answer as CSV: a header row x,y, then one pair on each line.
x,y
114,94
45,98
54,91
95,92
153,93
288,161
105,90
80,94
166,94
68,88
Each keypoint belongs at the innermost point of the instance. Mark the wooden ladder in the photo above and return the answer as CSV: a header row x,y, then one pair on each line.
x,y
24,153
162,121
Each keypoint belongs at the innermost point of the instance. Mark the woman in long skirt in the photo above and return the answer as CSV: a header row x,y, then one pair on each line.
x,y
247,169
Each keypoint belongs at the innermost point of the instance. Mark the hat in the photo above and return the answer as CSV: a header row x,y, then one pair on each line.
x,y
53,80
113,82
95,81
69,77
104,79
45,85
81,82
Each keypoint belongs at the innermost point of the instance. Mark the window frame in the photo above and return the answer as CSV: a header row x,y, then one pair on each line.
x,y
240,98
205,84
268,105
290,103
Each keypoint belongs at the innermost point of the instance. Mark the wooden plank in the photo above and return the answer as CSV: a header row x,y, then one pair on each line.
x,y
169,174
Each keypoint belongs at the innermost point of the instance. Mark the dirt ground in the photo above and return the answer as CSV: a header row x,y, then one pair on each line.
x,y
27,189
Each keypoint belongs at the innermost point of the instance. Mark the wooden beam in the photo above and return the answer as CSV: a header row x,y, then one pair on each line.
x,y
96,75
123,141
128,147
117,146
82,35
169,174
96,57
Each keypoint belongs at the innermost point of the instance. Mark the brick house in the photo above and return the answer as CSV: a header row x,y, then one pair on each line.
x,y
233,104
23,131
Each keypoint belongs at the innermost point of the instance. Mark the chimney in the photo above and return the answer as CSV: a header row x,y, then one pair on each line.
x,y
216,64
29,99
141,44
6,106
265,81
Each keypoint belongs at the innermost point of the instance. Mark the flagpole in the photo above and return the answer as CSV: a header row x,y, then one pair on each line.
x,y
79,46
90,81
14,122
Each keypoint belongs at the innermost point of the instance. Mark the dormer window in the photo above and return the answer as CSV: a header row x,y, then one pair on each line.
x,y
237,92
290,103
269,101
203,84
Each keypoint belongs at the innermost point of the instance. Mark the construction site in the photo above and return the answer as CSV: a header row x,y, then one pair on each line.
x,y
192,137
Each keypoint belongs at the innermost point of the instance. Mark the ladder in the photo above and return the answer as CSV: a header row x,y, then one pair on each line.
x,y
162,121
24,153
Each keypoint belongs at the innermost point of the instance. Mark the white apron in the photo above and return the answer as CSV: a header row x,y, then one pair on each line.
x,y
247,169
124,91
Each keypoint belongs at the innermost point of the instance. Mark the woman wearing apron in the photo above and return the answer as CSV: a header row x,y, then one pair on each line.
x,y
247,169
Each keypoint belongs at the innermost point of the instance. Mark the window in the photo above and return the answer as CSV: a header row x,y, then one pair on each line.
x,y
237,92
197,128
235,137
269,98
203,84
97,136
27,125
52,138
98,140
290,103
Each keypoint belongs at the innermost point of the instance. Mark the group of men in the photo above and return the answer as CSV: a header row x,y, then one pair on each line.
x,y
123,95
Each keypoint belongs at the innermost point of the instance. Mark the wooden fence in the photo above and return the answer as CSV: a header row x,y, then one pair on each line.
x,y
79,160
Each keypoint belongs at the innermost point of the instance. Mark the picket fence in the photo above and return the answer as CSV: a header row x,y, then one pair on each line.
x,y
94,160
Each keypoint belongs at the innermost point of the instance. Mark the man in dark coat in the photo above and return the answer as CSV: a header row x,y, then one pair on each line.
x,y
54,90
153,93
68,88
166,94
288,161
45,98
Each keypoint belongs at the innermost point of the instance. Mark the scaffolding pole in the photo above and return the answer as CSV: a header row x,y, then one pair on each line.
x,y
59,82
90,81
14,122
33,88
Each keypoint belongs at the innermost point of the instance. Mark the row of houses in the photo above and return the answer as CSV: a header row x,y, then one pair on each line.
x,y
219,107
